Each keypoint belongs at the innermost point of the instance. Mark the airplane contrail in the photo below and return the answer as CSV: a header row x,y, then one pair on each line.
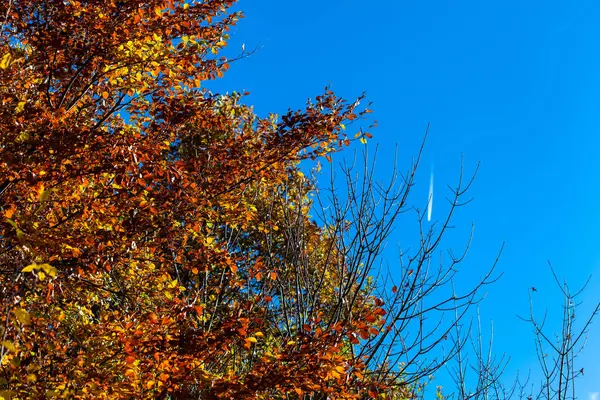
x,y
430,198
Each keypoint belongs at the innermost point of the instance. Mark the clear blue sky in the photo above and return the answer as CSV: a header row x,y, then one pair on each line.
x,y
512,84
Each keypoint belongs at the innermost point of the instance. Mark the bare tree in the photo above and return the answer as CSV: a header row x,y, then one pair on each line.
x,y
423,309
556,355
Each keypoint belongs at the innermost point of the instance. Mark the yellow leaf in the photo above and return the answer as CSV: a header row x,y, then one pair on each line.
x,y
149,384
20,106
43,194
30,268
158,12
74,250
252,339
6,394
49,269
23,316
363,140
186,6
8,345
259,334
41,275
5,62
31,378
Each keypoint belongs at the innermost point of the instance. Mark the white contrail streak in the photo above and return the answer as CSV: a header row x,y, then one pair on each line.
x,y
430,199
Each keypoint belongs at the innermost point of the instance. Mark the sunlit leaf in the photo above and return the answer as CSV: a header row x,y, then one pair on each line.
x,y
22,316
5,61
8,345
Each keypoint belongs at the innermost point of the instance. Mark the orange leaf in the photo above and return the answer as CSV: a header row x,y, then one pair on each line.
x,y
371,318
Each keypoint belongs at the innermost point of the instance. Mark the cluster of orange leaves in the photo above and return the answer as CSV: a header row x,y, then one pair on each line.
x,y
133,214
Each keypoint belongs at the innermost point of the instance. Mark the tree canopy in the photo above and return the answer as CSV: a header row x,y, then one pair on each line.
x,y
155,238
161,241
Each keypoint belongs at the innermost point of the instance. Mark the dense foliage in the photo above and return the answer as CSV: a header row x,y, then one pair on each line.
x,y
155,238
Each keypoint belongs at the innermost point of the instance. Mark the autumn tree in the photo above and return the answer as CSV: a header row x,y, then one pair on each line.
x,y
156,239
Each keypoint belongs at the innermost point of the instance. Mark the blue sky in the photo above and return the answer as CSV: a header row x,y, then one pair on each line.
x,y
514,85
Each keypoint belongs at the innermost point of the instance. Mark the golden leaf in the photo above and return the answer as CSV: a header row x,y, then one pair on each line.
x,y
23,316
6,394
49,269
5,62
30,268
20,106
8,345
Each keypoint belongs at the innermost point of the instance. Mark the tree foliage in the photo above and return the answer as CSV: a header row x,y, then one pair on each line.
x,y
146,222
156,239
